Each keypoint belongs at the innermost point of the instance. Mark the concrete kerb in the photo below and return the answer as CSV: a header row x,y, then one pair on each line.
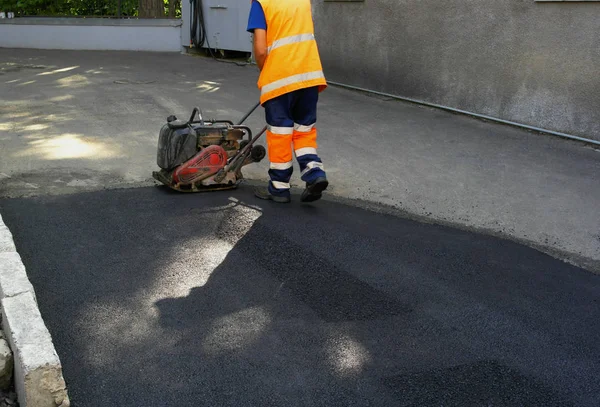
x,y
38,372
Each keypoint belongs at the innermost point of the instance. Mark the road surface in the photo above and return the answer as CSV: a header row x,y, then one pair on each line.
x,y
154,298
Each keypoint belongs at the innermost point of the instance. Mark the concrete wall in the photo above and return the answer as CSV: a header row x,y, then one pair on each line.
x,y
531,62
91,34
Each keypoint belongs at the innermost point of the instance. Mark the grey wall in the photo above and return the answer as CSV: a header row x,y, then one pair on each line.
x,y
91,34
520,60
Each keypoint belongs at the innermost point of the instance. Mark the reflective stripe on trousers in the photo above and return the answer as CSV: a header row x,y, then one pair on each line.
x,y
311,166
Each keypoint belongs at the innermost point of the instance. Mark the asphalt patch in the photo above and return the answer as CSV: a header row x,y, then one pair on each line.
x,y
155,298
484,383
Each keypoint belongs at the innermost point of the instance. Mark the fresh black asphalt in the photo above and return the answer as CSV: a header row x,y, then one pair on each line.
x,y
155,298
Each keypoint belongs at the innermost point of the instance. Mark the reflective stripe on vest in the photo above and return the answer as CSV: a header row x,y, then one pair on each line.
x,y
291,40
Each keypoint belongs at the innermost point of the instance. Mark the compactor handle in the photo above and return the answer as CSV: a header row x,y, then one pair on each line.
x,y
194,112
249,113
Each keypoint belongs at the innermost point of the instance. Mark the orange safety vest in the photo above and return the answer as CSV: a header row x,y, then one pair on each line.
x,y
293,60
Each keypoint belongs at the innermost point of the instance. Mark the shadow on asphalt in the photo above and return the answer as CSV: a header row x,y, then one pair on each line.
x,y
155,298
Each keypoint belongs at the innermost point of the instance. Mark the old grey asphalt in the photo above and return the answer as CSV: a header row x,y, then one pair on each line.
x,y
72,121
160,299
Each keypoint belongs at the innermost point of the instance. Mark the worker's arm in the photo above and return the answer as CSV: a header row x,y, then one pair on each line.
x,y
260,47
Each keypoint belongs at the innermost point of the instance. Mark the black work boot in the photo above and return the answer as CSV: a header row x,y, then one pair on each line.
x,y
263,193
314,189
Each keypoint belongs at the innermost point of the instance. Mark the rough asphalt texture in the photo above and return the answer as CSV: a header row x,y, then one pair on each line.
x,y
155,298
73,121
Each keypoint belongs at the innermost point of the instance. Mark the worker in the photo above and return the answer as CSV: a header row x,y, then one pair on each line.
x,y
291,78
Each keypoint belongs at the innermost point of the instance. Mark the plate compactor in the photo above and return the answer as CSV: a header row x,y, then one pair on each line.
x,y
205,155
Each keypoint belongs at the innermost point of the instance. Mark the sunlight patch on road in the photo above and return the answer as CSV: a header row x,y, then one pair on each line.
x,y
347,355
70,68
118,328
31,126
26,83
208,87
95,71
35,127
18,115
195,260
68,146
192,266
62,98
74,81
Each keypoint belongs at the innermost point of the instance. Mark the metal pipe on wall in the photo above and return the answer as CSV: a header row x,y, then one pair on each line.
x,y
481,116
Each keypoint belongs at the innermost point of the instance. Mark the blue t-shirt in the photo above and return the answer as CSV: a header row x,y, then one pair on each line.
x,y
257,17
